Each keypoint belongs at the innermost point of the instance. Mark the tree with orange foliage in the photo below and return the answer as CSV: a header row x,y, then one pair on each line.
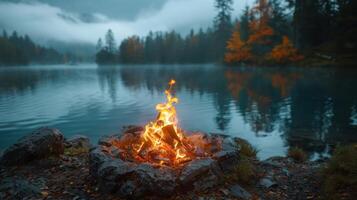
x,y
260,31
285,52
237,50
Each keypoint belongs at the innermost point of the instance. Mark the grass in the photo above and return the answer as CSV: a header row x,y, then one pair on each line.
x,y
297,154
340,174
246,149
245,172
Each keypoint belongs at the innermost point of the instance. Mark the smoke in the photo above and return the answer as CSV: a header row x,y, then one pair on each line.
x,y
45,23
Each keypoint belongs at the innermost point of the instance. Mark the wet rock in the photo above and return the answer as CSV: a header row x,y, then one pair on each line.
x,y
105,141
239,192
42,143
267,183
96,158
18,189
78,141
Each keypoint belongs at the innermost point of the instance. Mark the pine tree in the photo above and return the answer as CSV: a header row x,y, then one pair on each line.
x,y
99,45
244,24
260,31
110,42
223,25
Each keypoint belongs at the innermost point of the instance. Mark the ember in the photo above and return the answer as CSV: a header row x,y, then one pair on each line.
x,y
162,142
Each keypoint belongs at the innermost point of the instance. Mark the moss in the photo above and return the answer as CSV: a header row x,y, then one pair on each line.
x,y
340,174
246,149
72,151
297,154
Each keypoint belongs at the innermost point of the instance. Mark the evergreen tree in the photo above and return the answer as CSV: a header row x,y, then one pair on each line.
x,y
244,24
223,25
99,45
4,34
110,43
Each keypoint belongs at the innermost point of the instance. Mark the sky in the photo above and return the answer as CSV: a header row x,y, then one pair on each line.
x,y
85,21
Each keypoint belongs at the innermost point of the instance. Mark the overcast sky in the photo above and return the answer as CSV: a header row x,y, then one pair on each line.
x,y
87,20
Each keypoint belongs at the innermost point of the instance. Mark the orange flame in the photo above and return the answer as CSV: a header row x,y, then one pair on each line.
x,y
162,141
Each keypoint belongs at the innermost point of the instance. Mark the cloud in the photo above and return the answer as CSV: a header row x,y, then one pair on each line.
x,y
44,22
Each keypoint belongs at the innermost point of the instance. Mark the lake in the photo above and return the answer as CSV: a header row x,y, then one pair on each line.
x,y
273,108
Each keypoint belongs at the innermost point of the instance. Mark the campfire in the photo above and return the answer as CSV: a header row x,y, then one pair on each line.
x,y
162,141
161,158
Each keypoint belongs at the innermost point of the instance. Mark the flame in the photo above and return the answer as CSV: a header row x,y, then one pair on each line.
x,y
162,140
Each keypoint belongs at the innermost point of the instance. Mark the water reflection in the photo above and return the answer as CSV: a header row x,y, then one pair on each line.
x,y
273,108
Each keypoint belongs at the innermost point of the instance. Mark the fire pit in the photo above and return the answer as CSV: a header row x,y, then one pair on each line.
x,y
161,158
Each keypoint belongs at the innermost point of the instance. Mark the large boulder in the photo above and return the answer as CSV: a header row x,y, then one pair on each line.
x,y
41,143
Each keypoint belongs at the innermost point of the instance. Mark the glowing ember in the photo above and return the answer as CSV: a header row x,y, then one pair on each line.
x,y
162,141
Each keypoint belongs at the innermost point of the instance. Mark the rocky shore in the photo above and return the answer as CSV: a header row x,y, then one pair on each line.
x,y
45,165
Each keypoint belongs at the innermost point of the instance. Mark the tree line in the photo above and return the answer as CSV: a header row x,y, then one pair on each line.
x,y
21,50
270,31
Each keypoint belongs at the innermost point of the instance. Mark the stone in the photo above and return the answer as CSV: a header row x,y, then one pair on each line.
x,y
239,192
133,129
128,179
267,183
11,188
41,143
227,160
96,158
200,173
153,181
78,141
105,141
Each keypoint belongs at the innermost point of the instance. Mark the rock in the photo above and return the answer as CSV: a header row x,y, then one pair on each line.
x,y
105,141
133,129
201,174
96,158
130,180
153,181
42,143
78,141
238,192
18,189
267,183
226,160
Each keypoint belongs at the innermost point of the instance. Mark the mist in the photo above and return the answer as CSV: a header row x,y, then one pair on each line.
x,y
45,23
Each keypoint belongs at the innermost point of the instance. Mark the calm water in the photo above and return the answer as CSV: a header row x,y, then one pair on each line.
x,y
272,108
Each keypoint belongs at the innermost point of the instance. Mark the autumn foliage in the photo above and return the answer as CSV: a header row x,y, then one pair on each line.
x,y
285,52
259,46
238,50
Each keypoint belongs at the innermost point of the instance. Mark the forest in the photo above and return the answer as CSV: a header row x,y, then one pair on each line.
x,y
271,32
21,50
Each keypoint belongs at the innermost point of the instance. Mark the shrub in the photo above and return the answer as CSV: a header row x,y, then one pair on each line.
x,y
340,174
246,149
244,172
297,154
